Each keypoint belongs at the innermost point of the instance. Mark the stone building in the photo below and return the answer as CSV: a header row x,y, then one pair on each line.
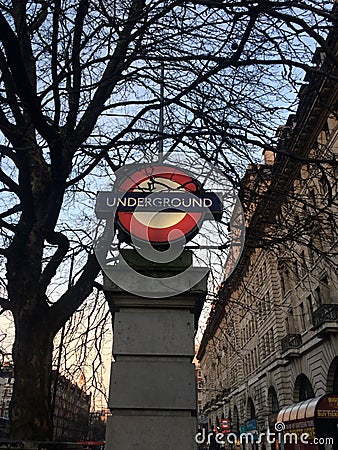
x,y
71,411
199,387
272,337
6,388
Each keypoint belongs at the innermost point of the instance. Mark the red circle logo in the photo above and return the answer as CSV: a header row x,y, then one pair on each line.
x,y
160,227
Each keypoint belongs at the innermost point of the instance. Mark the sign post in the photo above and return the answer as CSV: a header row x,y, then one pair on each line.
x,y
152,388
155,295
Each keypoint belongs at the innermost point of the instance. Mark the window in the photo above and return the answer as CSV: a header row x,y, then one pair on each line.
x,y
324,290
272,340
263,347
309,302
266,344
268,301
310,253
302,317
305,389
273,401
303,263
318,296
255,324
295,269
282,282
256,357
251,409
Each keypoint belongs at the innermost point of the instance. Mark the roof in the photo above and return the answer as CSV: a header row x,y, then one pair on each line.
x,y
324,407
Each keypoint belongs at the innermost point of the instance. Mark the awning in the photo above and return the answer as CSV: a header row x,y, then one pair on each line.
x,y
324,407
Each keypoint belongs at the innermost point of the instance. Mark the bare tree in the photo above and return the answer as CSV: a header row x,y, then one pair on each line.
x,y
79,97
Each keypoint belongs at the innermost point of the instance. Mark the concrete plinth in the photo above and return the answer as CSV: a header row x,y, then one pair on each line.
x,y
153,385
151,432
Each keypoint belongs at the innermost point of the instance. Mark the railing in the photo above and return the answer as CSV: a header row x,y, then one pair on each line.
x,y
325,313
291,341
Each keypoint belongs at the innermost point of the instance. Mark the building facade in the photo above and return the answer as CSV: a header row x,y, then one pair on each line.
x,y
6,388
71,411
272,337
199,388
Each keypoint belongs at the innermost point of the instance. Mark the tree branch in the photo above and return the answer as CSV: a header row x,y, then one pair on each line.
x,y
22,82
53,238
10,211
74,97
5,179
9,130
111,75
8,226
10,90
75,295
54,62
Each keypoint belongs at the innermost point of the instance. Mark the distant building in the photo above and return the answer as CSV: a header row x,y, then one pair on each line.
x,y
6,389
71,411
199,386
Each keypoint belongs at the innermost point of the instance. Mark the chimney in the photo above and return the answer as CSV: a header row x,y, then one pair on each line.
x,y
269,156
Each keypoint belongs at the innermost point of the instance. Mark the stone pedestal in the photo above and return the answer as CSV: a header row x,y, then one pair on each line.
x,y
153,386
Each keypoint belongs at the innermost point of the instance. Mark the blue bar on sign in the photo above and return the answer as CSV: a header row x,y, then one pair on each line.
x,y
163,201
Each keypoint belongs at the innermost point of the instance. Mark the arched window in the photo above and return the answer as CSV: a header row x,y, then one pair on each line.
x,y
332,378
303,388
251,409
273,401
235,425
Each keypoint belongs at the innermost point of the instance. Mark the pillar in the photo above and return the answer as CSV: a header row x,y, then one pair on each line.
x,y
152,394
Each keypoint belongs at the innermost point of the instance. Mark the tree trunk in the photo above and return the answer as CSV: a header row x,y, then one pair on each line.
x,y
30,411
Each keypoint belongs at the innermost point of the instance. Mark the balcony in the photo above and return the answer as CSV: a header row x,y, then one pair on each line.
x,y
290,345
291,341
325,318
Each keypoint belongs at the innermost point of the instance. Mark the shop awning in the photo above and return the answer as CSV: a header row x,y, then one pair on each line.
x,y
324,407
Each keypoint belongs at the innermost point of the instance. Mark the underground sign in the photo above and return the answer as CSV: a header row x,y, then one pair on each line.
x,y
159,204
